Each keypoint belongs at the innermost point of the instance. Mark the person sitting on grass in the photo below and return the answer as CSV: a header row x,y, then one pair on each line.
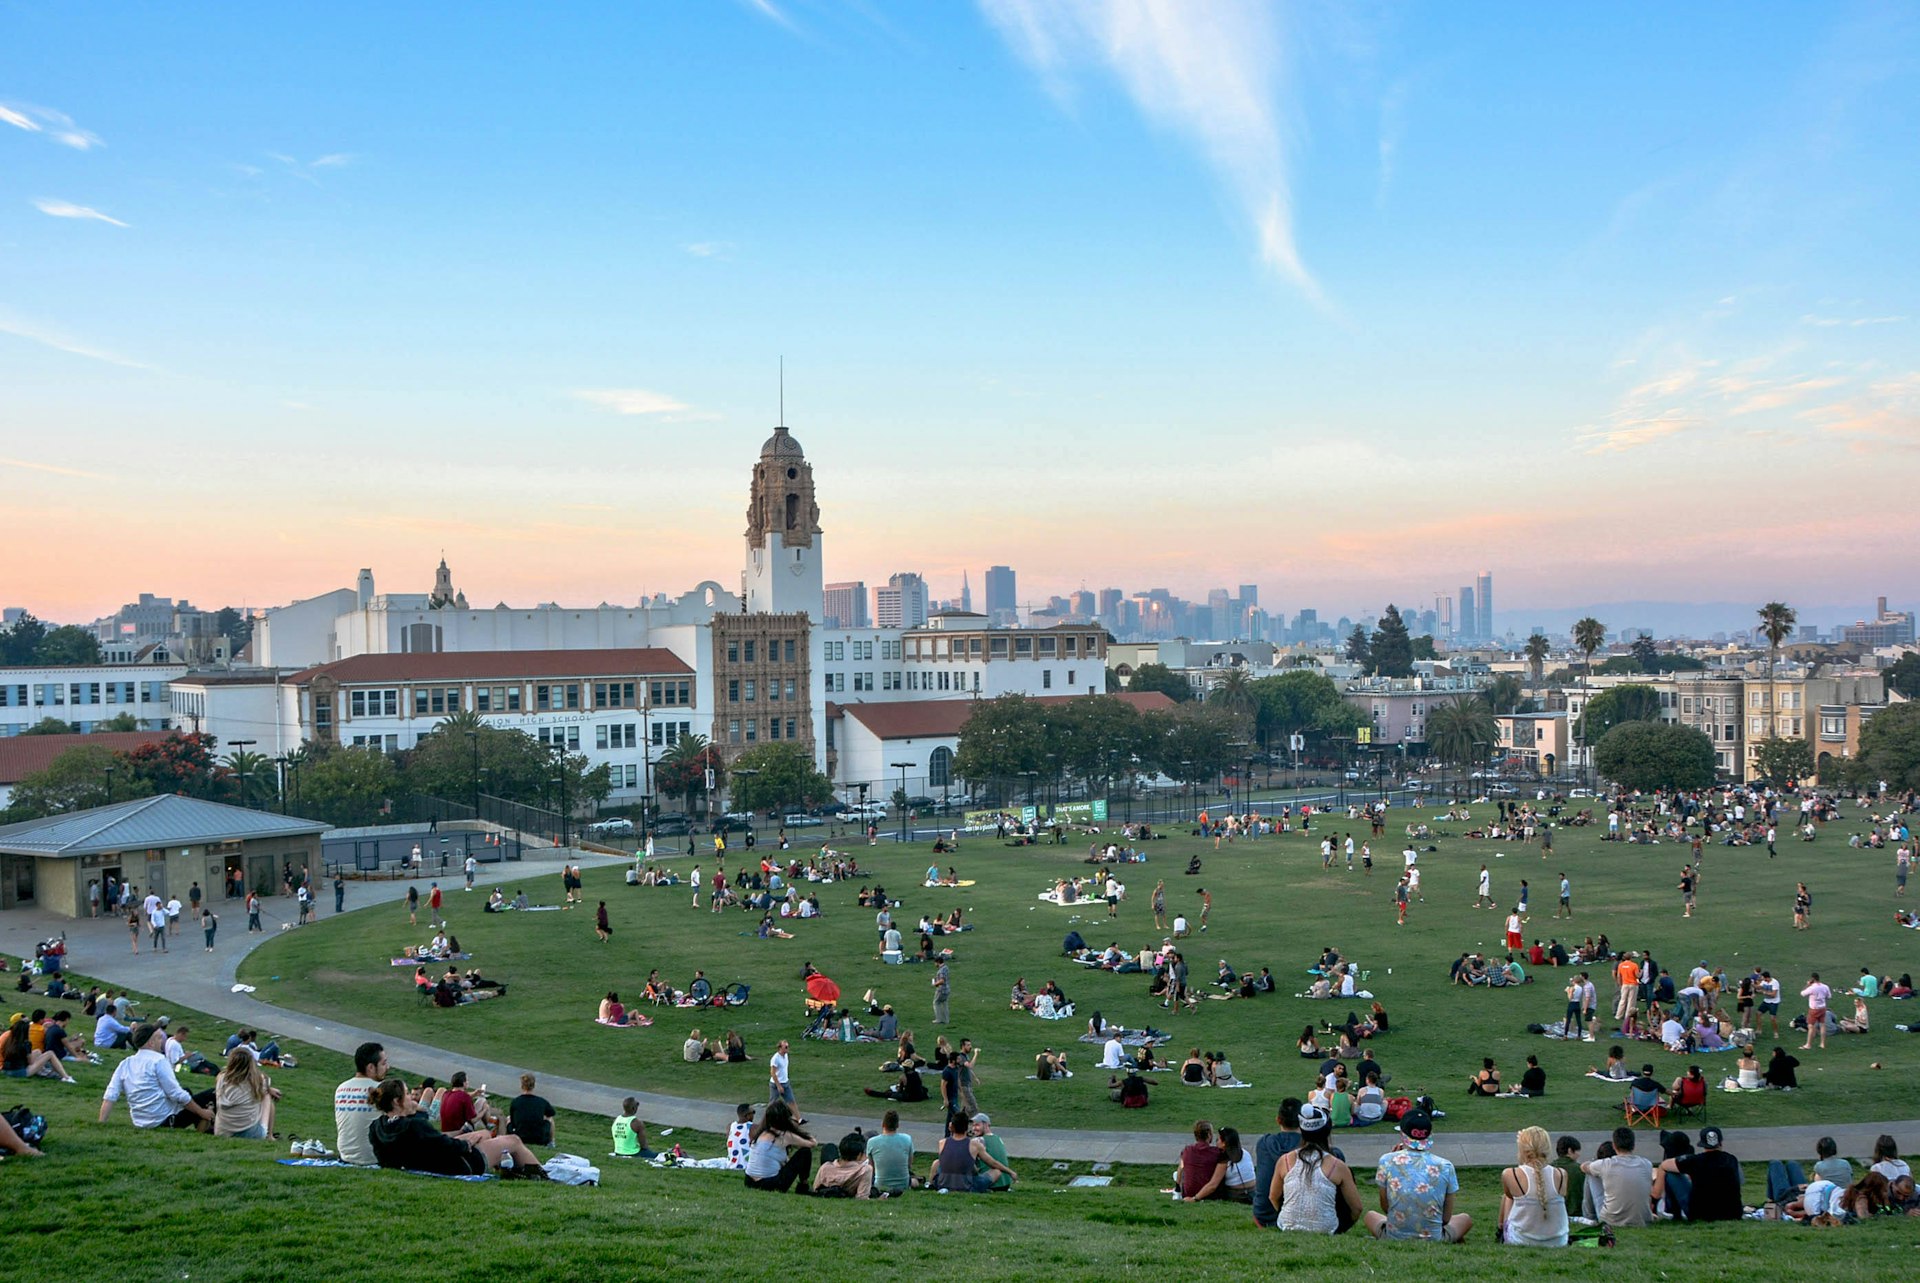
x,y
1780,1073
1311,1183
243,1101
613,1011
1129,1092
154,1095
1417,1189
1309,1046
1615,1068
1051,1064
629,1133
779,1153
963,1160
847,1174
18,1059
891,1154
403,1138
1645,1095
530,1117
1487,1081
909,1090
1625,1180
1533,1080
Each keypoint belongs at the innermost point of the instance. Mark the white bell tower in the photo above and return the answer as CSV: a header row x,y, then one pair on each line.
x,y
783,572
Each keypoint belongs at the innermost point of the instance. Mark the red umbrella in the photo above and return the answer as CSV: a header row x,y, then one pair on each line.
x,y
821,989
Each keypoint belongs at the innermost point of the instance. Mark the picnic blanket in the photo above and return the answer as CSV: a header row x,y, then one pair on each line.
x,y
1128,1037
634,1021
1088,901
963,882
1058,1013
356,1167
425,957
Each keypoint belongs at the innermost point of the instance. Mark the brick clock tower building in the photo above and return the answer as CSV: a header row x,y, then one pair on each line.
x,y
765,688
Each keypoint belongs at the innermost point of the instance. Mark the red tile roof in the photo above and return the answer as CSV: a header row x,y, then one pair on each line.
x,y
934,718
22,755
488,665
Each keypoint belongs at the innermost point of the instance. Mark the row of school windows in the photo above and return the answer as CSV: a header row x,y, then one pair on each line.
x,y
14,694
777,650
747,731
431,700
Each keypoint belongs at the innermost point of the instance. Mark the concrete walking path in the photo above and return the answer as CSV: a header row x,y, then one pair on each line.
x,y
185,973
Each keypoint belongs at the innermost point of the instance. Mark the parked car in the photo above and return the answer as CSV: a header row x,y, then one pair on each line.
x,y
921,802
1504,788
740,817
830,808
870,811
801,820
619,826
673,826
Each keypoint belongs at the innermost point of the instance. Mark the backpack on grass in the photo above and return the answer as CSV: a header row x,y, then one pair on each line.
x,y
27,1125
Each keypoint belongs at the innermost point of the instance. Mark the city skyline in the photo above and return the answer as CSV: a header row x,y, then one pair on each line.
x,y
1381,299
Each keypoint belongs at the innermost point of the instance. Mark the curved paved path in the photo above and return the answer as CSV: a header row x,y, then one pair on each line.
x,y
186,974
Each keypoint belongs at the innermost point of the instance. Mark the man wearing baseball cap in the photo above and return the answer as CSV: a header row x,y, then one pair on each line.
x,y
1001,1175
1417,1188
1716,1179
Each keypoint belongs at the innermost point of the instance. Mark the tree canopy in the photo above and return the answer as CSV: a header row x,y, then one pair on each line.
x,y
778,777
1889,749
1904,675
1655,755
346,786
1158,677
27,642
1608,709
1390,649
1782,762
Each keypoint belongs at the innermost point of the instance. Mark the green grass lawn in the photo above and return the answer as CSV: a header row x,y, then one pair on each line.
x,y
1273,905
185,1206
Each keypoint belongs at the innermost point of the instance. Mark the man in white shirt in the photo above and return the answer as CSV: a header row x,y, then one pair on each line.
x,y
472,866
157,923
1817,996
1113,1055
154,1095
779,1086
109,1031
353,1111
174,1051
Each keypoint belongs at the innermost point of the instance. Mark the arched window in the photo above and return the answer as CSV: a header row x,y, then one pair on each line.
x,y
940,768
793,511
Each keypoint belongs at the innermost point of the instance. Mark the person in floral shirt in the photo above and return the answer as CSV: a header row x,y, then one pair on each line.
x,y
1417,1188
737,1138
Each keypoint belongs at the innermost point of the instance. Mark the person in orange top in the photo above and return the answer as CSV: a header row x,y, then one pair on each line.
x,y
1627,976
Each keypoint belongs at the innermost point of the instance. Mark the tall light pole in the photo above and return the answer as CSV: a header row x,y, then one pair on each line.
x,y
473,746
233,750
560,782
733,789
109,773
903,796
1480,763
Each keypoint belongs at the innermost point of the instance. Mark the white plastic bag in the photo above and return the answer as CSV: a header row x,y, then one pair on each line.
x,y
571,1169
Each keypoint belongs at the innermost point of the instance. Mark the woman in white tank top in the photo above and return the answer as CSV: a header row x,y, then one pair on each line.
x,y
1309,1184
1533,1201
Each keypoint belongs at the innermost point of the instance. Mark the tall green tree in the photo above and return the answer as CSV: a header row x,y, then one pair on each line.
x,y
1646,654
1193,745
1904,676
1782,762
20,641
1235,696
778,777
1889,749
52,726
1004,739
1390,649
1504,694
1358,650
1158,677
462,750
1423,647
235,626
68,646
1303,701
347,786
1776,625
1096,739
682,770
1656,755
1461,731
1589,635
1610,708
81,777
1538,648
251,778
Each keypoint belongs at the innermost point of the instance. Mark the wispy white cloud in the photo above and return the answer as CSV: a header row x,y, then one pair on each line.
x,y
67,209
640,401
709,249
1213,73
28,465
57,126
46,337
771,12
1630,434
304,169
1851,321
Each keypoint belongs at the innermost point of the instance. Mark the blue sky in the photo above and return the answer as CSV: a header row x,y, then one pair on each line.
x,y
1347,301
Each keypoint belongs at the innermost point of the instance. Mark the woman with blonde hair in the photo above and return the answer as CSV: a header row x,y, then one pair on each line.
x,y
243,1099
1533,1195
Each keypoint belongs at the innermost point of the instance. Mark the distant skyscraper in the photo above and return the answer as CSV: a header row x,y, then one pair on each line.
x,y
1483,604
1249,595
1468,619
1443,611
1110,599
1081,604
966,593
845,606
902,603
1002,599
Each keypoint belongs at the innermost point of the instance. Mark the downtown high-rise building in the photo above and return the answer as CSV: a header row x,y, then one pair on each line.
x,y
1483,606
1003,603
1468,618
844,605
902,603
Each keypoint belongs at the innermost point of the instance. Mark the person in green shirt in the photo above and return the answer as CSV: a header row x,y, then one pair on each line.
x,y
891,1154
629,1133
1869,986
1567,1159
996,1150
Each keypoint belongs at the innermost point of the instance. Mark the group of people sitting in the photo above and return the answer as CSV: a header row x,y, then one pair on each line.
x,y
497,901
454,988
1473,969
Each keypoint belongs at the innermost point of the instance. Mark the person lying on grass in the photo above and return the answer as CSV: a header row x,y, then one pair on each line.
x,y
403,1138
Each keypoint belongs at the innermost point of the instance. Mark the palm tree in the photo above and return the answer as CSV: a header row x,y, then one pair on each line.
x,y
1776,625
1589,635
252,775
1503,694
1456,727
1538,648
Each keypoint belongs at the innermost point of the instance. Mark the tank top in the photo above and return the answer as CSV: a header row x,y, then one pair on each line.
x,y
1309,1199
1532,1223
955,1168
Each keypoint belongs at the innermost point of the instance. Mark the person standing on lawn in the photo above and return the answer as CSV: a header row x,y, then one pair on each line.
x,y
941,992
1817,996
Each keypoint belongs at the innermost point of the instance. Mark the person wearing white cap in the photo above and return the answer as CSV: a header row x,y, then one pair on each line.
x,y
1310,1184
1417,1189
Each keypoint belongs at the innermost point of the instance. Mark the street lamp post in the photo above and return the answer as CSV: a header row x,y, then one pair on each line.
x,y
560,783
109,774
473,745
733,791
233,750
1480,761
902,767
